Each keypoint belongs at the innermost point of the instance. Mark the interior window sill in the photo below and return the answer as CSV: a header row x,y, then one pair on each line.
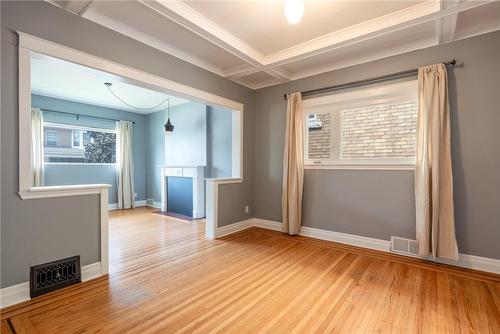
x,y
225,180
362,166
63,191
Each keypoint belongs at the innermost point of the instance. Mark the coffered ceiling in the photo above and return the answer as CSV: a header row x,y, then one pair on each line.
x,y
251,42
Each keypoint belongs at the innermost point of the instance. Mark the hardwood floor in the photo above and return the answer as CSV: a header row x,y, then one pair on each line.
x,y
165,277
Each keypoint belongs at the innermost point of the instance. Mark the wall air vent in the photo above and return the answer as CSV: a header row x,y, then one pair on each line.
x,y
54,275
404,246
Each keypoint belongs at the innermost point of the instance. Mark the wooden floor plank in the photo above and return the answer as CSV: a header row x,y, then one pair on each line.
x,y
165,277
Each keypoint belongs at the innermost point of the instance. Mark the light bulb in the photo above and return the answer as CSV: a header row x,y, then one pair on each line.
x,y
294,9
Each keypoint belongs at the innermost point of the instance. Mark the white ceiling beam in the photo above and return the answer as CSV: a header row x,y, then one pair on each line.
x,y
86,8
190,19
446,26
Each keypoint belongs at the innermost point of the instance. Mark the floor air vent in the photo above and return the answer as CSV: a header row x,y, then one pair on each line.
x,y
404,246
54,275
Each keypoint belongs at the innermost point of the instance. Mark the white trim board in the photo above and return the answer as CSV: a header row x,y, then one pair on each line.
x,y
21,292
465,260
114,206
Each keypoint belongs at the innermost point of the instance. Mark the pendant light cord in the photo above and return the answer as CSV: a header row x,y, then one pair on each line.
x,y
108,86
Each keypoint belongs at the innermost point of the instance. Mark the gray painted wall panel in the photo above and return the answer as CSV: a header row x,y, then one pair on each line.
x,y
155,153
219,142
187,145
21,220
357,201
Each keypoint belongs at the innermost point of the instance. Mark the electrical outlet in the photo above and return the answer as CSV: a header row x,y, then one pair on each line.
x,y
247,209
135,195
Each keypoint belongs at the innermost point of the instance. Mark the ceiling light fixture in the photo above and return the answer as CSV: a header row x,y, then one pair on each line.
x,y
294,9
169,127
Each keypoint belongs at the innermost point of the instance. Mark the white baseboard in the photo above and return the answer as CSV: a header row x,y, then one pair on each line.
x,y
233,228
344,238
465,260
114,206
156,205
269,224
21,292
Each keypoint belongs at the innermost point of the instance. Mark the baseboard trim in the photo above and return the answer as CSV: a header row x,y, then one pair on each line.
x,y
344,238
114,206
152,203
21,292
465,260
233,228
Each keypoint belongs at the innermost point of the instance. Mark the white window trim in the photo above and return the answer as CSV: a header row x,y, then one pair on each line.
x,y
77,127
57,139
78,164
80,140
352,99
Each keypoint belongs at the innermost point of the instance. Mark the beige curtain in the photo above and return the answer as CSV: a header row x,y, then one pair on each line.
x,y
293,166
36,147
433,176
125,165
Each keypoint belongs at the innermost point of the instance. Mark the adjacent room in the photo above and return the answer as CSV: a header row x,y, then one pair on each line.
x,y
288,166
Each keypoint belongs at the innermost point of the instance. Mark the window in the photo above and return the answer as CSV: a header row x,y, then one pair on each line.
x,y
371,127
66,143
50,138
77,139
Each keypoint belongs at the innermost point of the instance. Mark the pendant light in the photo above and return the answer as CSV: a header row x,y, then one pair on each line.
x,y
169,127
294,9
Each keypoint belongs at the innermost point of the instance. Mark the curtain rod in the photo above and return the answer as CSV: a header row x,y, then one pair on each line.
x,y
373,80
80,115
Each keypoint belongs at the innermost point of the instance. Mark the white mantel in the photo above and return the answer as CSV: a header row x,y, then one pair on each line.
x,y
197,173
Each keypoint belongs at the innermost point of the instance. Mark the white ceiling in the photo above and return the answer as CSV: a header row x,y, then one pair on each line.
x,y
251,42
68,81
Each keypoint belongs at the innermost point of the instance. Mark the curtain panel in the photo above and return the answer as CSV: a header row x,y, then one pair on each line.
x,y
293,166
37,148
435,220
125,165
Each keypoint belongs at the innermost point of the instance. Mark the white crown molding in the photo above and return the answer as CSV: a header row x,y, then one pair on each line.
x,y
443,13
18,293
428,11
364,59
329,41
188,18
149,40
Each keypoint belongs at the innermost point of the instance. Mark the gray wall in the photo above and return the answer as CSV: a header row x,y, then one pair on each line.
x,y
65,174
28,224
155,153
187,145
202,137
219,143
381,203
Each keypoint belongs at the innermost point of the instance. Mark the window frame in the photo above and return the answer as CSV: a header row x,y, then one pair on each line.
x,y
80,138
381,94
56,139
77,128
